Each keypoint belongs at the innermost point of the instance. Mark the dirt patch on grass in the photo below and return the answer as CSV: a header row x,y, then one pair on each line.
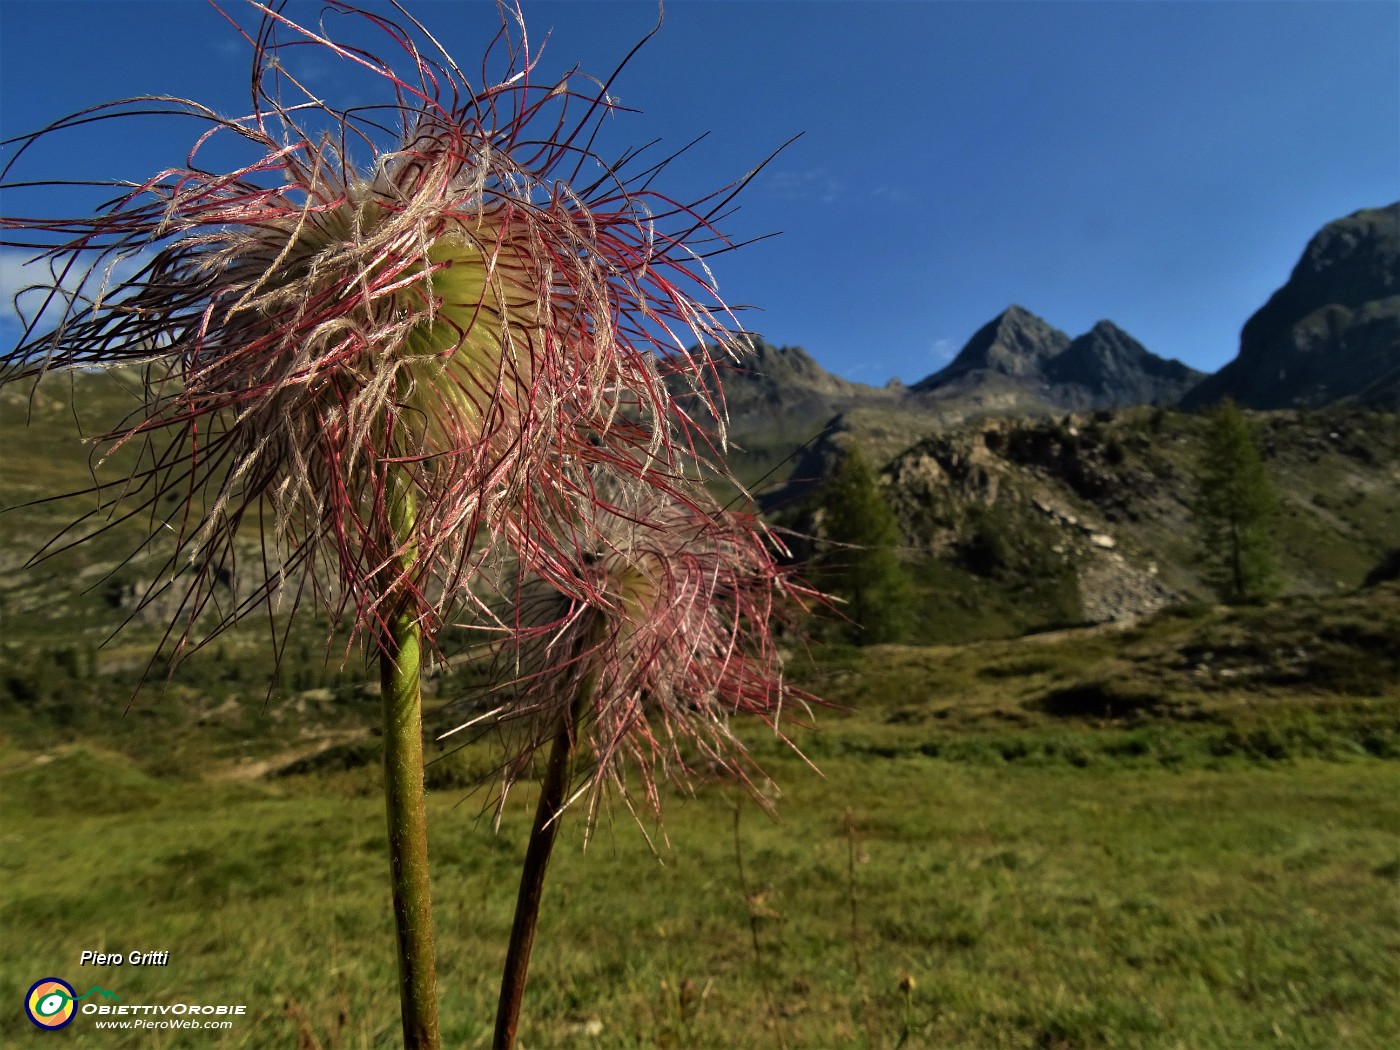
x,y
328,752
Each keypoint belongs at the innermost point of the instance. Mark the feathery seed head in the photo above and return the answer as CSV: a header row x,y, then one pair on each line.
x,y
456,325
672,639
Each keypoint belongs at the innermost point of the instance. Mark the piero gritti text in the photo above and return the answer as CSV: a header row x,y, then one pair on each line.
x,y
137,958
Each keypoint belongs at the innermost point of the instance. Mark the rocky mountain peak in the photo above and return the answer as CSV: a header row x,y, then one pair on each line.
x,y
1116,370
1018,363
1354,255
782,361
1014,343
774,385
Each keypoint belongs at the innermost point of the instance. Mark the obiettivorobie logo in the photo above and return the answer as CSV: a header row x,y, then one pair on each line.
x,y
52,1003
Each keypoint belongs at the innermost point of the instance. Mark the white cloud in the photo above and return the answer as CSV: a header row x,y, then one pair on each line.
x,y
821,186
14,274
814,184
944,350
892,195
20,271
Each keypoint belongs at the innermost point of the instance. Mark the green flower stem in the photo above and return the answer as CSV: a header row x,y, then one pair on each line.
x,y
553,795
400,686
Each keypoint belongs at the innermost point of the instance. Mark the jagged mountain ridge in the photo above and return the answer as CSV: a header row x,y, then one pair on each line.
x,y
1332,333
1017,364
1043,368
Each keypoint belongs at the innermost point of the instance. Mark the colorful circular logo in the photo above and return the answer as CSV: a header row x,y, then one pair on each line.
x,y
49,1003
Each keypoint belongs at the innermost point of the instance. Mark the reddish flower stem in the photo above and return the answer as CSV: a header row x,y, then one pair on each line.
x,y
548,815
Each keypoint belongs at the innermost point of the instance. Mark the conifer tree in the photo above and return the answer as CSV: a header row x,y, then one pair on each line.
x,y
1235,506
861,563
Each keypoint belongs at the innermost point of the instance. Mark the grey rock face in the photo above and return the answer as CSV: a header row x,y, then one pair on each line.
x,y
1114,370
1034,367
1332,332
1014,343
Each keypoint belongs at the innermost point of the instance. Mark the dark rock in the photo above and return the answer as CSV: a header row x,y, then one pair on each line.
x,y
1027,366
1332,332
1114,370
1387,569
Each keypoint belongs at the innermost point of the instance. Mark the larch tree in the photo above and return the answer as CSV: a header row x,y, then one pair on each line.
x,y
1235,508
861,563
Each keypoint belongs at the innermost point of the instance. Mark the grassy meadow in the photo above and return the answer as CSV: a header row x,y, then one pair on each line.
x,y
1186,834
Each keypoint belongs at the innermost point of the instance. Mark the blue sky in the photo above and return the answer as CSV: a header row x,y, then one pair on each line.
x,y
1159,164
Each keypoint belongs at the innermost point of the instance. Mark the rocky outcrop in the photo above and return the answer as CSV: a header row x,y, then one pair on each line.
x,y
1332,332
1045,497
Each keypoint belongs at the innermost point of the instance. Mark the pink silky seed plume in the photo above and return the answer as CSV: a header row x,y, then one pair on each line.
x,y
676,633
298,350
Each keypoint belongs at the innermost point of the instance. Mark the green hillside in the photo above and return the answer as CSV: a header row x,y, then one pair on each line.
x,y
1177,829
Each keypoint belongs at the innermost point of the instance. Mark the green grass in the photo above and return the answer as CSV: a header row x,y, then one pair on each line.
x,y
1031,906
987,859
1184,834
